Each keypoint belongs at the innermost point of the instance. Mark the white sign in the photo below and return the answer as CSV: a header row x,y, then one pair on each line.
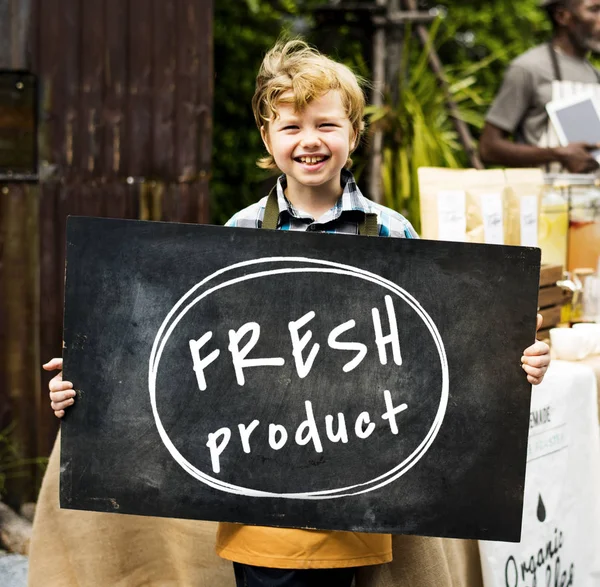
x,y
529,221
452,216
493,225
560,541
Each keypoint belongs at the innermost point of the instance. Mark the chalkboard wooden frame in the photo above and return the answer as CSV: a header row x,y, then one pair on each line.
x,y
297,379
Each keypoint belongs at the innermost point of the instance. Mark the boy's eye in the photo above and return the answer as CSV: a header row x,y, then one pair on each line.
x,y
290,127
328,124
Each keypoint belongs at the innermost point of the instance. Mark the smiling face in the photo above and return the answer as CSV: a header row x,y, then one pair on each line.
x,y
587,24
582,21
312,146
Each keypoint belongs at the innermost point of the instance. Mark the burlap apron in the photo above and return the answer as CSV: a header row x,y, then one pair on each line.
x,y
87,549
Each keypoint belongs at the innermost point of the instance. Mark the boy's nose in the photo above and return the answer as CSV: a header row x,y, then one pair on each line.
x,y
309,140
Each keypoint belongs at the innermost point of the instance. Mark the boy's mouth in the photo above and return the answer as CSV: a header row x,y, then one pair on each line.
x,y
311,159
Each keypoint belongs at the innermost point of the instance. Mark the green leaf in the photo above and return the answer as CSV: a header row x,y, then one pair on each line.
x,y
254,6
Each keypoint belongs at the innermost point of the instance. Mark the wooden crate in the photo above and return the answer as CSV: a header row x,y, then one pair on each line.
x,y
551,298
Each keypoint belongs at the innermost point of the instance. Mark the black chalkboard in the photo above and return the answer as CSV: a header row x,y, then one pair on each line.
x,y
201,392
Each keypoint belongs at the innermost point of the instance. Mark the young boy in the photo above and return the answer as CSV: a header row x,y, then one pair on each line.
x,y
309,110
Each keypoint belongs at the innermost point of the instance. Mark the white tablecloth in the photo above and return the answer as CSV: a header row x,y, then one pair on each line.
x,y
560,542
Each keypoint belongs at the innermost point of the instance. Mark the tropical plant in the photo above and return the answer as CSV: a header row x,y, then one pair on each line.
x,y
479,29
418,129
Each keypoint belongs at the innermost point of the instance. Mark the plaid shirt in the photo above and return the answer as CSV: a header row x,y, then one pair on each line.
x,y
341,219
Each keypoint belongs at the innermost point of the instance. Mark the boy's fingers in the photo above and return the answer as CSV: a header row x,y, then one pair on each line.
x,y
56,406
538,348
540,321
55,379
53,364
61,396
534,380
539,361
537,372
59,413
57,384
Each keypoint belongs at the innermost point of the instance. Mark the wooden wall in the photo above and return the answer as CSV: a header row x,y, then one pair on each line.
x,y
125,131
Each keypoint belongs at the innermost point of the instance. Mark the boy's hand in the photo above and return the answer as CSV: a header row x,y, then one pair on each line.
x,y
61,392
536,358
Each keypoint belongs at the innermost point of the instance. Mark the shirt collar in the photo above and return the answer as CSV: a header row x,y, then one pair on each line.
x,y
351,200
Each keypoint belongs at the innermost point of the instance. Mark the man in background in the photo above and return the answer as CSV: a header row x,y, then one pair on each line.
x,y
554,70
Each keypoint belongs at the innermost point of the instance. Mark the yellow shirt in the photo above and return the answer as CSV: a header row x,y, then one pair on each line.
x,y
290,548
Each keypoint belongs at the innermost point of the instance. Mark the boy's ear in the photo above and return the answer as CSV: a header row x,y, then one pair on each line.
x,y
265,137
353,141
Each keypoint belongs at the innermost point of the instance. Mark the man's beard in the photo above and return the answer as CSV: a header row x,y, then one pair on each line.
x,y
585,41
591,44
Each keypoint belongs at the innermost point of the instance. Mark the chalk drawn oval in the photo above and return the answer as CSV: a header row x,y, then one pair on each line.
x,y
246,273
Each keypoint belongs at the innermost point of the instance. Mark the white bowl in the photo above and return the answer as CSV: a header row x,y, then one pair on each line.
x,y
570,344
592,331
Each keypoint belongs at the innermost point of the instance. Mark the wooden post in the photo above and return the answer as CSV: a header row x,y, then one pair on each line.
x,y
394,44
376,155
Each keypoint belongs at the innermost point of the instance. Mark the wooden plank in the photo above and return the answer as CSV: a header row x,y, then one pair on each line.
x,y
132,201
550,296
115,87
205,122
90,104
20,295
194,108
20,31
74,126
52,123
188,91
65,205
183,202
90,198
164,82
114,200
4,333
50,304
203,202
44,92
170,207
59,73
186,210
5,44
34,35
139,109
49,274
120,200
550,274
551,316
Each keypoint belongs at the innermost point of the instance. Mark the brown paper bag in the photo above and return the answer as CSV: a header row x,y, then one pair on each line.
x,y
524,193
462,204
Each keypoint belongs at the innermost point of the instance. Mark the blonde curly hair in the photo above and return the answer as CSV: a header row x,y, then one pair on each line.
x,y
295,67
